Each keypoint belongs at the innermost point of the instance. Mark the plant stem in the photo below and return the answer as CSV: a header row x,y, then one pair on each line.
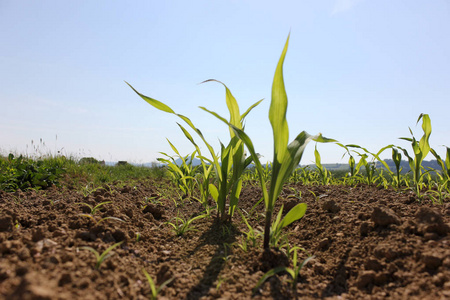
x,y
267,229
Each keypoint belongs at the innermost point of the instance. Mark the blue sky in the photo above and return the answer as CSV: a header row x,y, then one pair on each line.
x,y
358,71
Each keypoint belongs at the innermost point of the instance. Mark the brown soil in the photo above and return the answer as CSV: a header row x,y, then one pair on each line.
x,y
368,243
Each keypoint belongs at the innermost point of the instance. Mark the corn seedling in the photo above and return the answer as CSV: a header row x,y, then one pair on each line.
x,y
101,257
397,158
286,157
445,165
351,179
297,194
232,157
152,200
87,190
226,252
181,225
421,149
441,193
92,217
303,175
251,236
369,168
233,160
276,235
185,174
294,272
94,209
155,290
220,280
324,174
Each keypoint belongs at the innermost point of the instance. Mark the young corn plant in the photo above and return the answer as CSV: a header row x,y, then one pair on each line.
x,y
103,256
303,175
251,236
155,290
397,158
277,238
184,176
440,193
351,163
421,149
206,172
93,211
324,174
87,190
180,226
444,175
294,272
286,156
369,166
232,158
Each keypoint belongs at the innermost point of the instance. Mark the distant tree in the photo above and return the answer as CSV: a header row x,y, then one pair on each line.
x,y
88,160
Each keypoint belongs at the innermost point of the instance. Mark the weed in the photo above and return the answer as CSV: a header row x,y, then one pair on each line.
x,y
23,173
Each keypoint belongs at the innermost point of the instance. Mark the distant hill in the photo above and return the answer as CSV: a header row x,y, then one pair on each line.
x,y
331,167
427,164
195,162
404,165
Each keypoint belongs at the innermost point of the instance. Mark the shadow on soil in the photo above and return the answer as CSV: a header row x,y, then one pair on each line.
x,y
339,283
222,235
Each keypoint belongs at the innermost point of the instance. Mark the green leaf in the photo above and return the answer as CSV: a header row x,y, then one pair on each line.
x,y
259,168
267,275
317,158
213,191
277,111
424,142
282,171
155,103
296,213
249,109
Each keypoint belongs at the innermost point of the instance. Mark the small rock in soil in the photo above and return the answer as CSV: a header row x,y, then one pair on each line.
x,y
364,228
431,261
431,221
365,278
65,278
154,210
383,216
385,251
323,244
38,234
331,206
373,264
381,278
6,223
119,235
164,274
272,258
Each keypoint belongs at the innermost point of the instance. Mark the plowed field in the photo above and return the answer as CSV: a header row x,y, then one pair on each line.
x,y
368,243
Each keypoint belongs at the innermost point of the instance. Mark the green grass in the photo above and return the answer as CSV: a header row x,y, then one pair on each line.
x,y
38,173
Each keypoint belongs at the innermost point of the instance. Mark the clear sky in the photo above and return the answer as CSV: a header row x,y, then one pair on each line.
x,y
358,71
